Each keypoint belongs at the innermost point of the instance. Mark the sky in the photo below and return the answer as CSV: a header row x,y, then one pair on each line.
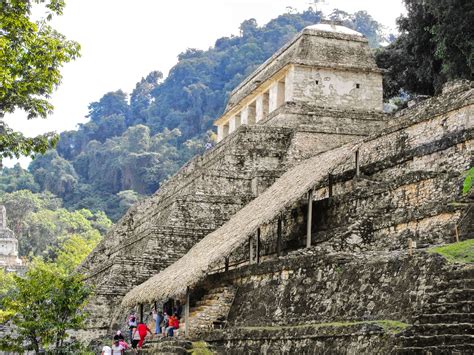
x,y
122,41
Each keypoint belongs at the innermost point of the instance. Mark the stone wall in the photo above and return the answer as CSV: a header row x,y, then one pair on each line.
x,y
313,286
364,338
356,90
326,303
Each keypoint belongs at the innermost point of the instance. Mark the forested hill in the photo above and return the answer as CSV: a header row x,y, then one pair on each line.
x,y
132,143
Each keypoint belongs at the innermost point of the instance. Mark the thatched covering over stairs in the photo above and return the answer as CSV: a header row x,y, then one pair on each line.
x,y
210,251
447,325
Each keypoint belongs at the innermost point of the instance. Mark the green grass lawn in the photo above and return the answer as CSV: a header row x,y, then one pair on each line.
x,y
461,252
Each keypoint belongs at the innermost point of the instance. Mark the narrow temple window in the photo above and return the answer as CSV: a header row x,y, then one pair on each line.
x,y
358,86
317,82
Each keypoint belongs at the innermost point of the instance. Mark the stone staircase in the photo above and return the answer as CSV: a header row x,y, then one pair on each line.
x,y
447,324
210,312
164,346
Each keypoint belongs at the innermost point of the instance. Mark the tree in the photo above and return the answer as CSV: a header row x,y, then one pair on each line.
x,y
17,178
141,97
435,46
112,103
53,173
128,198
468,181
31,56
42,306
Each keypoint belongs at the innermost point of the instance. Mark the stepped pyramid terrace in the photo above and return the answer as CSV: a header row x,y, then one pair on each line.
x,y
311,226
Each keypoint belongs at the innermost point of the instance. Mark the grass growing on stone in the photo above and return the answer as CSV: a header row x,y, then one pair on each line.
x,y
390,326
200,348
461,252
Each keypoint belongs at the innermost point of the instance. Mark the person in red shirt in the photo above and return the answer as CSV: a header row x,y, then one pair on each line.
x,y
176,322
142,330
173,324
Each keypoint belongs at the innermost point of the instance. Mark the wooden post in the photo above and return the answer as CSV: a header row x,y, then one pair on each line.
x,y
330,185
357,162
258,246
279,236
226,264
141,313
410,246
186,313
309,219
457,232
250,250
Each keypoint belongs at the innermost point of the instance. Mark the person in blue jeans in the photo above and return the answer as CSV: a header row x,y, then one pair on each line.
x,y
158,319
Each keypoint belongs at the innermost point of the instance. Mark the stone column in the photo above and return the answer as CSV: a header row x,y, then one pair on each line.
x,y
273,100
357,162
258,246
244,116
251,251
220,133
279,236
251,113
261,106
281,93
232,124
309,221
186,313
277,95
289,83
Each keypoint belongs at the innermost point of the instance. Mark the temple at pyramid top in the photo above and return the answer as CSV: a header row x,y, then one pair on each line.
x,y
325,65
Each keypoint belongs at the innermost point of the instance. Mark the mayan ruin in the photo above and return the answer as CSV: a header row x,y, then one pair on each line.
x,y
308,227
8,245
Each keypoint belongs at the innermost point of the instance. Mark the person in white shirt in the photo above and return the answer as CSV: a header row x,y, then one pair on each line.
x,y
106,350
117,349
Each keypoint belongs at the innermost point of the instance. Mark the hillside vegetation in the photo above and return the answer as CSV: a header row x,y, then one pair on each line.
x,y
134,142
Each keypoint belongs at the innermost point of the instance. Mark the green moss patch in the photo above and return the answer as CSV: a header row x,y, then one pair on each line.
x,y
461,252
200,348
392,326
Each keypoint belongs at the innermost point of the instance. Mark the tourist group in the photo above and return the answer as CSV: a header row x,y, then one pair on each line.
x,y
166,324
